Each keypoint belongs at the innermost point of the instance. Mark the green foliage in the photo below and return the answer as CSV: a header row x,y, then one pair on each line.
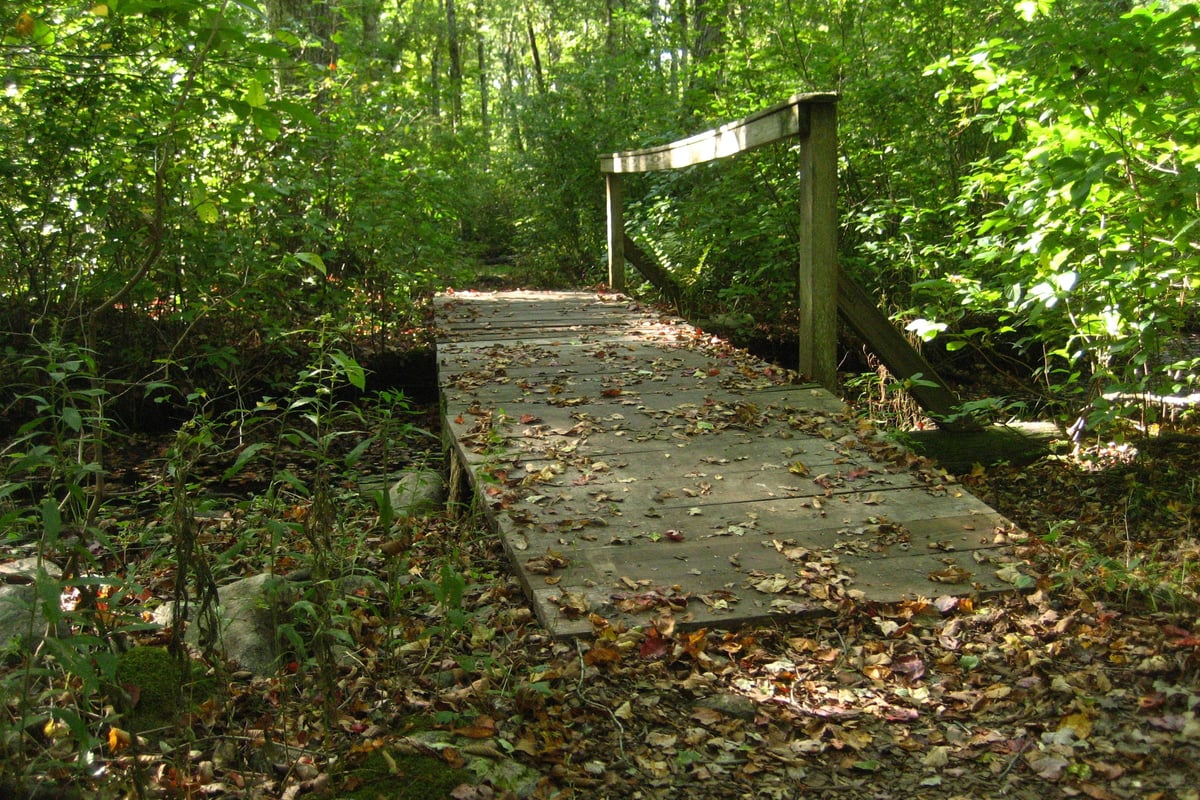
x,y
1081,236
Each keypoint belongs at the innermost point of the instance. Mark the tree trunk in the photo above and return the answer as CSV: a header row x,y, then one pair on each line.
x,y
481,56
610,51
708,24
435,70
455,50
538,77
369,13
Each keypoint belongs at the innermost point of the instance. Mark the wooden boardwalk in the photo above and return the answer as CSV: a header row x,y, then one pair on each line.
x,y
638,469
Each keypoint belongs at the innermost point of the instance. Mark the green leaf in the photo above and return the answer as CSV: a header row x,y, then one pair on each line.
x,y
351,369
207,212
255,95
354,455
52,522
298,111
267,122
313,260
43,34
72,419
243,459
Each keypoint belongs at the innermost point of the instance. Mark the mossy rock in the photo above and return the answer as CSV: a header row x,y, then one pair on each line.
x,y
414,777
151,677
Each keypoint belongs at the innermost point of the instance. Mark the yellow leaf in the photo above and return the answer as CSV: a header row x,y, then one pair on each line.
x,y
56,729
24,24
118,739
1079,724
100,10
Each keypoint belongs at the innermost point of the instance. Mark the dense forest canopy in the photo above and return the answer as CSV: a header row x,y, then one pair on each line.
x,y
1023,173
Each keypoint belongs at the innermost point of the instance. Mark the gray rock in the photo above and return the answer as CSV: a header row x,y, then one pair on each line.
x,y
731,705
250,612
418,492
19,599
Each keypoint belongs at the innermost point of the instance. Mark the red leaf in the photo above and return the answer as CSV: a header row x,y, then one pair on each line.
x,y
654,646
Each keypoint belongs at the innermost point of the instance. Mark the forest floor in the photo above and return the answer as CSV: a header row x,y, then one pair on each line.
x,y
1087,685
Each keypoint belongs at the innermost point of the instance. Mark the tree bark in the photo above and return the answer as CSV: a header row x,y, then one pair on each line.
x,y
485,122
708,24
538,77
455,50
435,70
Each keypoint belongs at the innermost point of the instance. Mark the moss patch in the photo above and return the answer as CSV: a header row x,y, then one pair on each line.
x,y
415,777
150,676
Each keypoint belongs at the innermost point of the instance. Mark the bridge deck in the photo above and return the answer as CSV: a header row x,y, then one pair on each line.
x,y
637,469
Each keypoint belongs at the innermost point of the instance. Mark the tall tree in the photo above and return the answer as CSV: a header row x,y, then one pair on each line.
x,y
456,74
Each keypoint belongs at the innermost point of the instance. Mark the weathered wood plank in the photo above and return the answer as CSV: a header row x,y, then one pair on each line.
x,y
616,232
789,118
666,473
818,270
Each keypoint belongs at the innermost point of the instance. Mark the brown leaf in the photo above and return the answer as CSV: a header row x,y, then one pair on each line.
x,y
481,728
601,654
952,574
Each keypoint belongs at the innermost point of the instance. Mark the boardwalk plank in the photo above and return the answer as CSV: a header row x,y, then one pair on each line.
x,y
636,467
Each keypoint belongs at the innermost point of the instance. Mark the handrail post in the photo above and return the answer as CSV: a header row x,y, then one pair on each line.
x,y
616,233
818,265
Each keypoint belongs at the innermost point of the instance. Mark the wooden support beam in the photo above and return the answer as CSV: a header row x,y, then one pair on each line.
x,y
897,354
818,267
659,278
616,233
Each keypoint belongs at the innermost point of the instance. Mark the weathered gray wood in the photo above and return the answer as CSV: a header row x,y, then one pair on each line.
x,y
897,354
705,487
787,119
659,278
812,118
818,266
616,233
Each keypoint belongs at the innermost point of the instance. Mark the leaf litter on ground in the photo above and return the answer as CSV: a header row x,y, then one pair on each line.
x,y
1077,687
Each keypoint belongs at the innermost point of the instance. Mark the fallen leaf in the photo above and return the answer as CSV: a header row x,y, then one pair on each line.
x,y
118,739
952,574
937,757
1079,724
1047,766
481,728
654,647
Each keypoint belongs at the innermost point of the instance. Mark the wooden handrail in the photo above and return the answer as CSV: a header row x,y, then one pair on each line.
x,y
812,118
781,121
823,289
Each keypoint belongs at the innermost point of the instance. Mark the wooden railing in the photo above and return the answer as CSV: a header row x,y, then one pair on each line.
x,y
823,289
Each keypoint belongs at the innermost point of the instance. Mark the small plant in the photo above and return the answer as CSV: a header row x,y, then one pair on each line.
x,y
447,593
313,427
887,400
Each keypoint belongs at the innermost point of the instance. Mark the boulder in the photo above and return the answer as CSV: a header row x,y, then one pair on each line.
x,y
20,582
250,613
419,492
